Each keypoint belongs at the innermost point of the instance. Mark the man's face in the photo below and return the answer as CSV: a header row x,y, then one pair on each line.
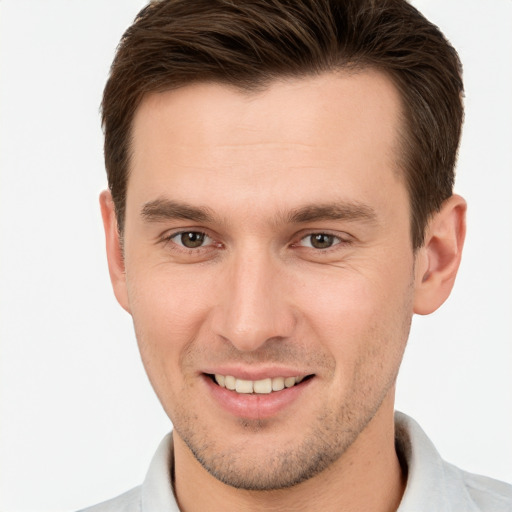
x,y
267,237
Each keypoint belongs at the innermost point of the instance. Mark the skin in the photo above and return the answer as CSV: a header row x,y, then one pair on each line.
x,y
257,296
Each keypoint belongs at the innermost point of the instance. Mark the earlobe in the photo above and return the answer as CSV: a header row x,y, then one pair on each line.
x,y
114,249
438,260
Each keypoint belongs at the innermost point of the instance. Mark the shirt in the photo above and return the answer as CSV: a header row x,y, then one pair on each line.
x,y
433,485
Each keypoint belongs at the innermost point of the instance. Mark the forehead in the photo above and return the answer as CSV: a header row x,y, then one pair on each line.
x,y
315,135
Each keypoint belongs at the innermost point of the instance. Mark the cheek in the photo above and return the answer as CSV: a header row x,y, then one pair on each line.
x,y
166,301
168,311
360,318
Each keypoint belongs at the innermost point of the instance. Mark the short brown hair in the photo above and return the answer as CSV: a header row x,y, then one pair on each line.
x,y
249,43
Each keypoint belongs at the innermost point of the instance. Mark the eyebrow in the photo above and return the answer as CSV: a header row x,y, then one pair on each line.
x,y
160,210
165,209
350,211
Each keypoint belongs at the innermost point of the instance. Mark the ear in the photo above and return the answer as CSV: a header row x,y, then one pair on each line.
x,y
438,260
114,250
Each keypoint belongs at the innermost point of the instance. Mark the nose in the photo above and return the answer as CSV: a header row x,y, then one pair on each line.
x,y
253,307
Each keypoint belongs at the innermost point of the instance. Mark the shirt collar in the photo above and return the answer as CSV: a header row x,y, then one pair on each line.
x,y
432,484
157,490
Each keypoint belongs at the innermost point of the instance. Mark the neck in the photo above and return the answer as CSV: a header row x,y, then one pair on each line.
x,y
367,477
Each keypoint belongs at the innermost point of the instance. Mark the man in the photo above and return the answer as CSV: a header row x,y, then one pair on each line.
x,y
280,204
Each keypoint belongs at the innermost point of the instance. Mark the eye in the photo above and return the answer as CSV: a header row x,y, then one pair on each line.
x,y
191,239
320,241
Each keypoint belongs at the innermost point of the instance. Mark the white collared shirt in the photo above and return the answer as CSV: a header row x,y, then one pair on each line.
x,y
433,485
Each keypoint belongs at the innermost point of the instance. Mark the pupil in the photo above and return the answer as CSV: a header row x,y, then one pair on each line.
x,y
321,241
192,239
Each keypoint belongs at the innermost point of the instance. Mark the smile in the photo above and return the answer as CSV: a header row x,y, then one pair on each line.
x,y
263,386
264,396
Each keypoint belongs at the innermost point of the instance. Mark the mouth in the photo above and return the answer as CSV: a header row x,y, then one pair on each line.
x,y
257,387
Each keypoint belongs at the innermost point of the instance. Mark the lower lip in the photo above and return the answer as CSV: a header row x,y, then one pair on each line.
x,y
256,406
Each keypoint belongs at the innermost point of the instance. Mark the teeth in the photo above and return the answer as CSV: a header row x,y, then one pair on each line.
x,y
289,382
229,382
243,386
278,384
263,386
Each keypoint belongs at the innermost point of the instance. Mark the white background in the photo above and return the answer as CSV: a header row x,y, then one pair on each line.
x,y
78,420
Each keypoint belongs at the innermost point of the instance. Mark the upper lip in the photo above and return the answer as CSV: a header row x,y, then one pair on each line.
x,y
260,373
